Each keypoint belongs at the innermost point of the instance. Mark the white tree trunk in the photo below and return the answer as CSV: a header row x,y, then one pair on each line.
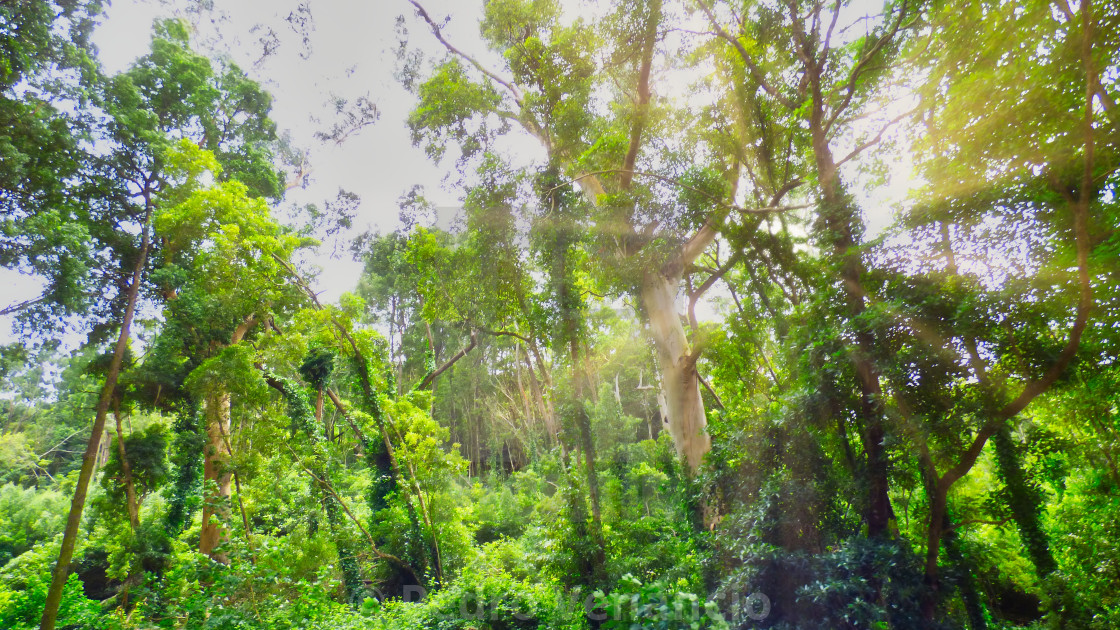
x,y
680,383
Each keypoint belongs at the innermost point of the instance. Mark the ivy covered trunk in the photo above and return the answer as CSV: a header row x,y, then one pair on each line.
x,y
215,509
126,472
839,226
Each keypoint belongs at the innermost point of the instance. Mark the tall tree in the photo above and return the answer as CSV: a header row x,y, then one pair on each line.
x,y
223,253
586,93
46,61
171,91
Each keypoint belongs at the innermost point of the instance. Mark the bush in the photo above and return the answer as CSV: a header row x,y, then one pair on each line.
x,y
636,605
27,517
23,593
483,601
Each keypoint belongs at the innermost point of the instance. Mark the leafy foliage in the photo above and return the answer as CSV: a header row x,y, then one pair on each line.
x,y
507,425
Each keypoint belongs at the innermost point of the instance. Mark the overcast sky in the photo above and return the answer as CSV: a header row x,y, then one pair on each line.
x,y
349,53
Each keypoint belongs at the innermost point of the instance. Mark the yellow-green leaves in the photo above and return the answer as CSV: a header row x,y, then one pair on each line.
x,y
219,224
187,165
230,370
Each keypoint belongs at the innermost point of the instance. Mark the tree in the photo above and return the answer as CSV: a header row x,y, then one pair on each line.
x,y
172,90
46,61
225,254
1048,183
597,119
920,363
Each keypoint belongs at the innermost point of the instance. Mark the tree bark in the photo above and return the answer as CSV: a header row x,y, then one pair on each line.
x,y
839,220
680,382
539,386
126,471
215,508
1079,203
216,461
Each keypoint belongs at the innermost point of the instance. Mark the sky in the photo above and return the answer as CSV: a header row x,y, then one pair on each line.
x,y
328,49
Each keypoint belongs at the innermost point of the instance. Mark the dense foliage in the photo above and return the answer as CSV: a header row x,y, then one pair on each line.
x,y
669,371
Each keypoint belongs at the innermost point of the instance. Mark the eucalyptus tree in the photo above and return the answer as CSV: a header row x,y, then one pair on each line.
x,y
587,93
785,62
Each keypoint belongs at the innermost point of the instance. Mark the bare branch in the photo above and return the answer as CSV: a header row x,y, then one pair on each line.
x,y
345,414
471,60
505,333
15,308
861,65
57,447
704,382
299,280
300,177
786,188
802,43
828,34
977,521
715,276
878,137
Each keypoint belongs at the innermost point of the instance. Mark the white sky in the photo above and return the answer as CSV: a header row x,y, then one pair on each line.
x,y
351,53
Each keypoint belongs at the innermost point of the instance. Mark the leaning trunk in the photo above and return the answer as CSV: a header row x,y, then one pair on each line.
x,y
680,382
74,520
539,386
215,509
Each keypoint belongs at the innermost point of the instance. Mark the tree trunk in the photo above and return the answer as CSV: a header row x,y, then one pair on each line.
x,y
126,471
215,508
328,430
680,382
216,460
74,520
839,224
1026,501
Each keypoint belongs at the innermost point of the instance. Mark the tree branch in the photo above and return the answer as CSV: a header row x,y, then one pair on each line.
x,y
471,60
878,137
679,184
342,503
704,382
15,308
755,72
861,65
505,333
642,104
715,276
458,355
345,414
